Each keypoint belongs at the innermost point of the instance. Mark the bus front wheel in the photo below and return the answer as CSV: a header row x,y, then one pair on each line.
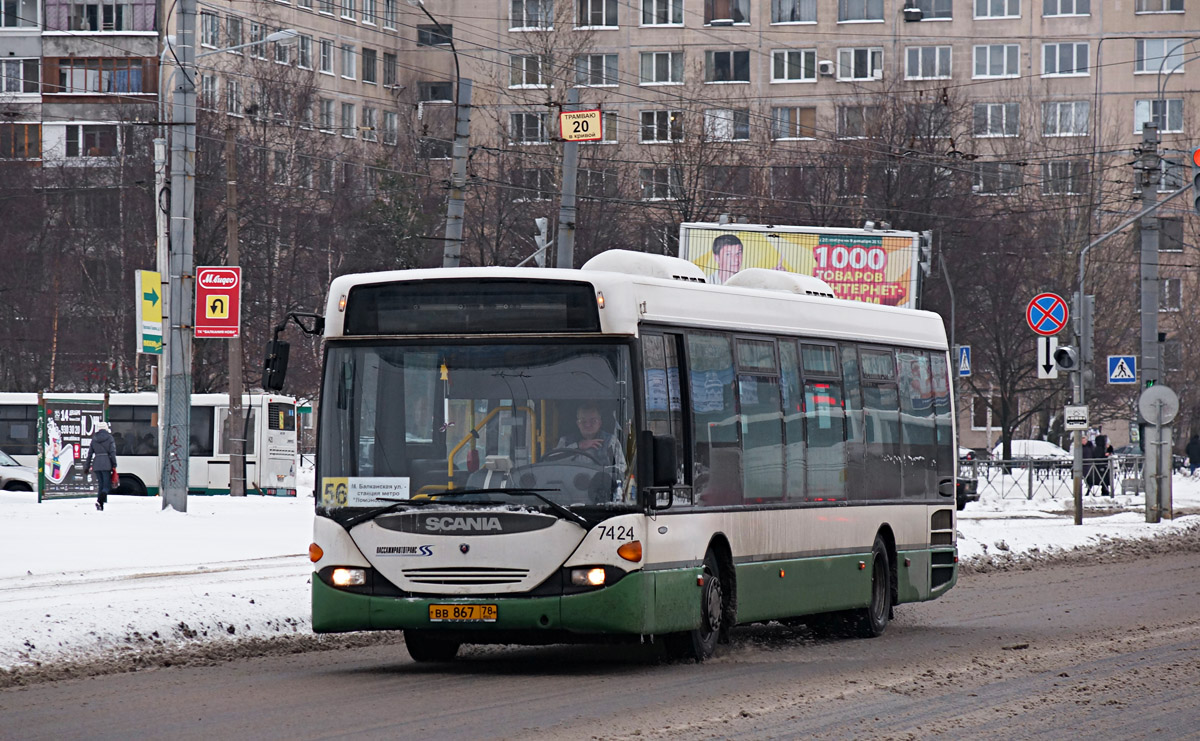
x,y
700,643
426,648
130,485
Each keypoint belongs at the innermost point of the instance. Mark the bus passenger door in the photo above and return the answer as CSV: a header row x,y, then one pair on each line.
x,y
664,402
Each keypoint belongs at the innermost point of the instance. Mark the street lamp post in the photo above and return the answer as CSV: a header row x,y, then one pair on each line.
x,y
456,204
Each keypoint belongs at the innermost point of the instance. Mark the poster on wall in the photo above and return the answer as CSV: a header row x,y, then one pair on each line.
x,y
873,266
65,429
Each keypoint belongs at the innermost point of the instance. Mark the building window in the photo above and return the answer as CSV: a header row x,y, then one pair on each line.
x,y
391,127
981,413
389,13
258,32
1155,55
1066,117
1065,59
442,92
996,119
370,63
532,184
863,63
1158,6
660,183
794,65
208,92
997,8
210,30
304,52
390,77
282,53
1170,295
1064,177
305,4
860,10
19,14
1172,355
525,70
1067,7
997,178
122,75
727,66
306,118
1168,110
660,68
304,172
1170,235
349,122
930,120
348,9
662,12
793,11
727,181
598,183
92,140
233,34
93,15
997,60
856,121
727,124
326,56
325,106
348,62
608,127
927,63
233,96
325,176
726,11
793,123
22,76
1172,175
528,128
279,172
440,35
368,12
935,9
596,69
370,124
531,14
22,141
326,6
661,126
791,182
596,13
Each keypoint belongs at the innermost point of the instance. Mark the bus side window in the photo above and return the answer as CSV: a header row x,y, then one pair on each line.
x,y
941,408
718,476
793,419
664,405
855,453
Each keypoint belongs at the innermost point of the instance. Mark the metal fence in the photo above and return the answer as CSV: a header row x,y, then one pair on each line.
x,y
1028,477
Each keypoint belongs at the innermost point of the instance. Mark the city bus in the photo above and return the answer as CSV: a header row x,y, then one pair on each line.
x,y
787,455
269,426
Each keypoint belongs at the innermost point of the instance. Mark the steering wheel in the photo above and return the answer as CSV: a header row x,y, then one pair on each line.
x,y
561,453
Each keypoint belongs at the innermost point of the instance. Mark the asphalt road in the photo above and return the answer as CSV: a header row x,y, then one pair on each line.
x,y
1098,650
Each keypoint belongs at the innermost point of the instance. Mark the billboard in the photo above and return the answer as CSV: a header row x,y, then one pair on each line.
x,y
65,428
873,266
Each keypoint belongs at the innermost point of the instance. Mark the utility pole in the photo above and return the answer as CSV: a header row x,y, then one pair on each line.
x,y
1147,170
237,430
566,210
456,206
177,384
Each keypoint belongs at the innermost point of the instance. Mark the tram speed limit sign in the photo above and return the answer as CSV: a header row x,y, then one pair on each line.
x,y
580,126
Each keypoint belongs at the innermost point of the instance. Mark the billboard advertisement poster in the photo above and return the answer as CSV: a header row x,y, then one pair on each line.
x,y
860,265
65,429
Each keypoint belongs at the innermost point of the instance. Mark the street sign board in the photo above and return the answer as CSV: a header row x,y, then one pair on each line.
x,y
148,298
1158,405
964,360
218,301
1122,369
1075,418
580,126
1046,314
1046,367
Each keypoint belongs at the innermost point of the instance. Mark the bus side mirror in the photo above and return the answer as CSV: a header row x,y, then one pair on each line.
x,y
656,466
275,367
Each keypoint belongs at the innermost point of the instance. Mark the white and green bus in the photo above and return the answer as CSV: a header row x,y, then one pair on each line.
x,y
787,455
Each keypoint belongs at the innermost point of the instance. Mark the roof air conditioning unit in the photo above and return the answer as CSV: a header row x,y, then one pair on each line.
x,y
912,15
825,67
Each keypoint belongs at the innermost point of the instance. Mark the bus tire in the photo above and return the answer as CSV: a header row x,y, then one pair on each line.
x,y
130,485
700,643
426,648
872,620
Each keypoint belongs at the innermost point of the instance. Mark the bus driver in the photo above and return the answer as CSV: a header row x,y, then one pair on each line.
x,y
593,437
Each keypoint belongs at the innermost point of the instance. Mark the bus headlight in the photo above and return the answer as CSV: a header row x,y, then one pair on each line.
x,y
348,577
590,577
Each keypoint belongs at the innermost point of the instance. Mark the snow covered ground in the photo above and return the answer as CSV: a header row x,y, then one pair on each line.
x,y
77,584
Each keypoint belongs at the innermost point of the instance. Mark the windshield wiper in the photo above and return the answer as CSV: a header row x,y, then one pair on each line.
x,y
396,504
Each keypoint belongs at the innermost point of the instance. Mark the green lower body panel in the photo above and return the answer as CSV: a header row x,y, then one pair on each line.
x,y
804,586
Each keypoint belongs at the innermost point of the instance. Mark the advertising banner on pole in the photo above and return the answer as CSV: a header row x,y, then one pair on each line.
x,y
873,266
65,429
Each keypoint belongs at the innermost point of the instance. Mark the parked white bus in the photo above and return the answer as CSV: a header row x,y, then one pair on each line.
x,y
270,427
783,455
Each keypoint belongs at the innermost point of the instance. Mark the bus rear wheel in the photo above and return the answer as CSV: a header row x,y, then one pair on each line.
x,y
872,620
130,485
700,643
426,648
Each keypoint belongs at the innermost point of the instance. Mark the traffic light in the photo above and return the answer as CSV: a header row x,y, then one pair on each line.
x,y
1150,382
1196,180
1066,359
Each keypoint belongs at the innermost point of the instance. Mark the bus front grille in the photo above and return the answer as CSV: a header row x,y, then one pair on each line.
x,y
466,575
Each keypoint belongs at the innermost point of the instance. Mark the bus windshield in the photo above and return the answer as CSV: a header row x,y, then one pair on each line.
x,y
407,421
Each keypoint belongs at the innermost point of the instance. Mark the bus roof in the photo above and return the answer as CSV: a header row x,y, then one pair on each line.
x,y
684,301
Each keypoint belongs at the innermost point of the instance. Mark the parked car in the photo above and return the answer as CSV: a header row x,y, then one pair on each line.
x,y
1036,449
14,476
966,489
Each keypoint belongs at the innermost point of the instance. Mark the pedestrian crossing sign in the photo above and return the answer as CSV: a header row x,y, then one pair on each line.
x,y
1122,369
964,360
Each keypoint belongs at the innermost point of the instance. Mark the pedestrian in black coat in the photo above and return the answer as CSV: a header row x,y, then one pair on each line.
x,y
1193,453
102,458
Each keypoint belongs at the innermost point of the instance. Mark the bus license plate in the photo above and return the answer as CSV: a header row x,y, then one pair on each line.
x,y
462,613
